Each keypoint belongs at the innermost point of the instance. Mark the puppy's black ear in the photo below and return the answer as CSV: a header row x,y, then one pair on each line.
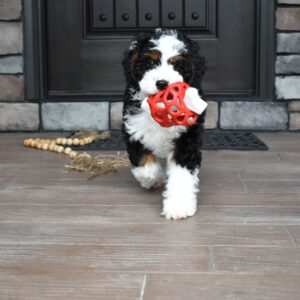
x,y
131,58
129,61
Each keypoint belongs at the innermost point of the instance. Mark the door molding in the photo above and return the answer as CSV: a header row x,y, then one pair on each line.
x,y
35,53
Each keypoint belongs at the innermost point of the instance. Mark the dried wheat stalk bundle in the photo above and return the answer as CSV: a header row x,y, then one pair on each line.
x,y
98,165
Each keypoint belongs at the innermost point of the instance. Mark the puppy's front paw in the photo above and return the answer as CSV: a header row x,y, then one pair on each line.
x,y
178,210
150,176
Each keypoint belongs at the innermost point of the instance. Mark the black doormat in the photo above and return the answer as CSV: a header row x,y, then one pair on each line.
x,y
213,140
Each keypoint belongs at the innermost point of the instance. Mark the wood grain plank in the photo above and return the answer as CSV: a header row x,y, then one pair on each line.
x,y
84,214
105,186
61,284
295,233
104,258
249,199
239,156
81,197
229,286
272,186
271,171
142,197
281,142
257,260
169,233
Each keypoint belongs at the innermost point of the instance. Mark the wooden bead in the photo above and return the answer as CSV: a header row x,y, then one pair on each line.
x,y
68,151
55,148
86,140
69,142
51,147
39,146
45,146
63,141
58,140
26,143
60,149
76,142
82,142
73,154
32,144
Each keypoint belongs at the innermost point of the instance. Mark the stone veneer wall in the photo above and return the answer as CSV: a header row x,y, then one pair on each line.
x,y
18,114
288,58
15,114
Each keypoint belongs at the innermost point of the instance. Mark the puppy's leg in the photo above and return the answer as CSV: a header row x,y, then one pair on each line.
x,y
149,173
180,195
146,168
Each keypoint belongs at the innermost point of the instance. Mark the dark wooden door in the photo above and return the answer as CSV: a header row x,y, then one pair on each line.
x,y
85,41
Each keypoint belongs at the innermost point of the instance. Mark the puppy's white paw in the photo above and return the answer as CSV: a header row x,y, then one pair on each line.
x,y
179,209
150,176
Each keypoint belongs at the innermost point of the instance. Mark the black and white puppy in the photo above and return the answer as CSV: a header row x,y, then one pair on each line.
x,y
163,155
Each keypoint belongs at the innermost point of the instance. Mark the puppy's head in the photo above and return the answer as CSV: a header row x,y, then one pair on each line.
x,y
160,58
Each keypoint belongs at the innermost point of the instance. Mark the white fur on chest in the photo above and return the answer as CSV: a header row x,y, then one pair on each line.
x,y
142,127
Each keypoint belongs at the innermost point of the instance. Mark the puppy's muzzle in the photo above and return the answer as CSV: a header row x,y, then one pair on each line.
x,y
162,84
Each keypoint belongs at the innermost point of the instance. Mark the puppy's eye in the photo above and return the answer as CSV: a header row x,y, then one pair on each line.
x,y
154,55
173,60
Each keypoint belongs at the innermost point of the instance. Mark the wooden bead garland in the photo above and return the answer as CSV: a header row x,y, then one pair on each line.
x,y
81,162
57,145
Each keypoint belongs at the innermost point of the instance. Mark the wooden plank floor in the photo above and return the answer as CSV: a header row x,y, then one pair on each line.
x,y
64,237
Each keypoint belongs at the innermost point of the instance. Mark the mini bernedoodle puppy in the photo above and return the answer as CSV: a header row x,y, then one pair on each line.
x,y
160,155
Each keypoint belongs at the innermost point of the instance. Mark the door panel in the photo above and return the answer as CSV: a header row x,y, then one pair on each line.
x,y
125,14
86,41
195,13
148,13
172,13
103,14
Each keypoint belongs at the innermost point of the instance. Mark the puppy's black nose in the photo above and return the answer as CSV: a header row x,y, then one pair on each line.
x,y
162,84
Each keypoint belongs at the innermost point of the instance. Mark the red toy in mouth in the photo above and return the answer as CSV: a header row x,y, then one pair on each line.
x,y
168,107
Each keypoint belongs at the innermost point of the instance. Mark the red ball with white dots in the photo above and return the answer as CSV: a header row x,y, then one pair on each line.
x,y
168,107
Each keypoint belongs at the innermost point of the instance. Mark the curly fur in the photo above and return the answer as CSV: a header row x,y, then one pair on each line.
x,y
171,56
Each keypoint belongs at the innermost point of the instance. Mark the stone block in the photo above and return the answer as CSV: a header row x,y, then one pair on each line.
x,y
11,64
75,116
11,87
116,115
287,87
212,115
11,38
294,121
288,42
19,116
287,18
253,115
288,64
10,9
289,1
294,106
